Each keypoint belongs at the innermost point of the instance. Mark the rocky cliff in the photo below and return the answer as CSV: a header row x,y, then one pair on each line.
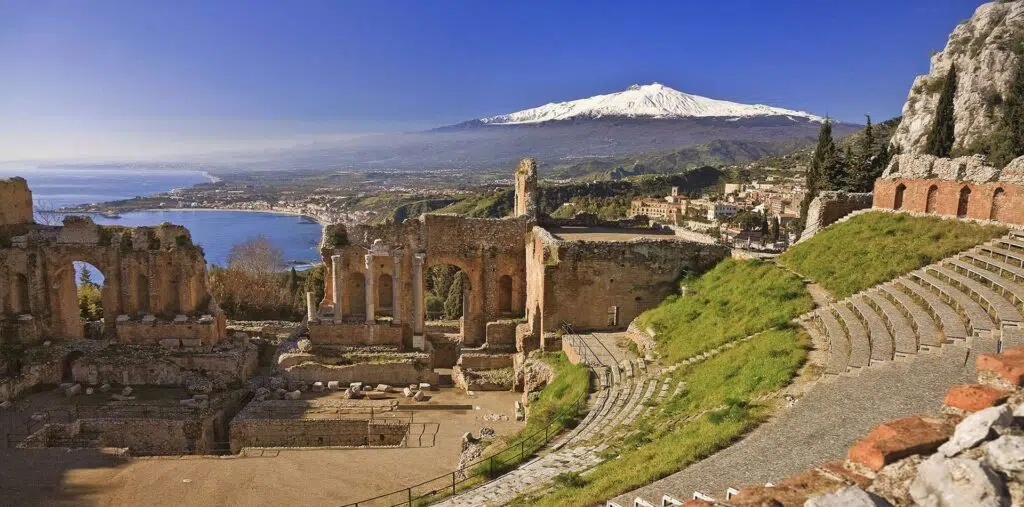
x,y
984,49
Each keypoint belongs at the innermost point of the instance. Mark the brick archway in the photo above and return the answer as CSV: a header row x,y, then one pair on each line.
x,y
998,198
898,200
964,202
929,204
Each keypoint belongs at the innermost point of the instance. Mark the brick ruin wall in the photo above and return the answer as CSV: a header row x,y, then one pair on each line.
x,y
396,373
828,207
359,334
581,282
15,202
285,423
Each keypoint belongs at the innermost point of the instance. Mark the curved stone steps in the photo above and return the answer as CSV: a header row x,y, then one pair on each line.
x,y
991,275
999,308
952,325
635,396
1014,245
1007,256
614,410
924,325
978,318
903,336
838,343
641,406
881,340
588,420
603,413
1011,271
860,345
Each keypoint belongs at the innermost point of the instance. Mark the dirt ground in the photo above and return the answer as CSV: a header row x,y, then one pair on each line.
x,y
270,477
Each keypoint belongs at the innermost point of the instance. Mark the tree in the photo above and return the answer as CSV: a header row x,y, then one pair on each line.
x,y
867,140
256,256
85,278
940,138
776,229
453,303
1007,141
293,280
826,170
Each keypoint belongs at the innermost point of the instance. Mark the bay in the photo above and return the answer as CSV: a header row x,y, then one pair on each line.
x,y
215,230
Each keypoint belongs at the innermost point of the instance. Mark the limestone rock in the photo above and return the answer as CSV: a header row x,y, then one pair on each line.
x,y
850,496
127,391
198,385
305,345
893,481
318,387
408,392
1006,454
262,394
419,396
1014,171
293,395
73,390
383,388
956,482
985,63
333,385
977,427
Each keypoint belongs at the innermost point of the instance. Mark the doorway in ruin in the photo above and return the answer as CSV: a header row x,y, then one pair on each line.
x,y
385,296
964,202
446,289
356,290
929,203
67,366
998,198
898,202
18,298
505,295
83,299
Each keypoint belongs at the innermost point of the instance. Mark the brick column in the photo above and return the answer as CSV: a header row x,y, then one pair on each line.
x,y
371,283
338,283
396,286
417,293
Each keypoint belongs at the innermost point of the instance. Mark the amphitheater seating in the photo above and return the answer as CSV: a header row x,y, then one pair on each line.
x,y
975,298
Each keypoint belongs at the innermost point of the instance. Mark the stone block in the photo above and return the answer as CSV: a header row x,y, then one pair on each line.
x,y
972,398
374,395
123,318
293,395
333,385
1007,367
170,343
6,404
898,439
121,397
384,388
206,319
419,396
192,343
424,386
408,392
127,391
318,387
356,386
89,391
520,412
180,319
74,390
414,386
148,318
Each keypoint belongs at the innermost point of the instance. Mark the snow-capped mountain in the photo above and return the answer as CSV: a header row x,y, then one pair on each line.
x,y
645,101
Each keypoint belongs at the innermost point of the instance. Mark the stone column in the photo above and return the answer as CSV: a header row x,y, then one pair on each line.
x,y
371,282
417,293
310,307
338,282
396,287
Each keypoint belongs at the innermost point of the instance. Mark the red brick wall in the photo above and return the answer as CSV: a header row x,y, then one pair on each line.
x,y
947,198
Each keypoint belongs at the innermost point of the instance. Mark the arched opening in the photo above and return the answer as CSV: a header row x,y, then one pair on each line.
x,y
356,293
929,203
964,202
83,300
142,293
898,201
998,198
385,295
67,366
19,295
446,289
505,294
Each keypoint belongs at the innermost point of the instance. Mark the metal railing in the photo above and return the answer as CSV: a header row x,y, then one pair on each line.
x,y
489,468
576,341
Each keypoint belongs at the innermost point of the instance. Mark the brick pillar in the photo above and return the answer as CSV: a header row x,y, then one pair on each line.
x,y
338,282
371,283
396,286
417,293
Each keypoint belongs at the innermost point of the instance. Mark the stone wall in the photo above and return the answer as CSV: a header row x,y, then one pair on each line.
x,y
502,333
205,330
1002,202
476,361
830,206
396,373
326,332
605,285
15,202
526,188
317,424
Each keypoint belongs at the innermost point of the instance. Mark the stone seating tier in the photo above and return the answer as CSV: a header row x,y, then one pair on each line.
x,y
860,345
881,340
922,321
903,335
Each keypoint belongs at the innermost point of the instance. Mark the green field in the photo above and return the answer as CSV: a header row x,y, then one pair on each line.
x,y
872,248
733,300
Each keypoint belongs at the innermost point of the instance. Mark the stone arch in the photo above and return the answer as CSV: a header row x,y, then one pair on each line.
x,y
66,287
898,201
356,290
505,294
964,202
998,201
929,204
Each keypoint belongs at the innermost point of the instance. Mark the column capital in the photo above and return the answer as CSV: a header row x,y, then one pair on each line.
x,y
368,258
419,259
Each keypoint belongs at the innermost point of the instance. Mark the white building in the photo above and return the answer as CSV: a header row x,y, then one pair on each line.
x,y
721,210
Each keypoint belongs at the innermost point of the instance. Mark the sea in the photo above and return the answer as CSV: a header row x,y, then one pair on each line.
x,y
216,231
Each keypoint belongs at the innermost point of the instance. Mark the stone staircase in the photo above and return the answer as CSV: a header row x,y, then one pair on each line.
x,y
628,387
975,298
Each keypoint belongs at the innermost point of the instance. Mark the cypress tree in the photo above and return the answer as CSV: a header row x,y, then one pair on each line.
x,y
293,281
1007,142
940,139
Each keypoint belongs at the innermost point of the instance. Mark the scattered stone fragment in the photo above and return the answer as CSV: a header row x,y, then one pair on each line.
x,y
957,482
424,386
121,397
893,481
487,432
520,413
318,387
850,496
975,428
88,391
383,388
419,396
972,398
127,391
408,392
73,390
105,387
293,395
1006,454
262,394
305,345
356,386
6,404
333,385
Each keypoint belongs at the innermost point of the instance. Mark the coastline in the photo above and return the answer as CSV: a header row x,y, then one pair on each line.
x,y
272,212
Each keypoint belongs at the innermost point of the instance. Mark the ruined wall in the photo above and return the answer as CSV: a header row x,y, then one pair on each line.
x,y
476,361
526,188
300,424
830,206
147,436
392,373
605,285
15,202
502,333
352,334
147,271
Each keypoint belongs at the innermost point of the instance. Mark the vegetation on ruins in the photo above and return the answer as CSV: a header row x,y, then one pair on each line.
x,y
940,138
445,285
253,287
733,300
90,297
1006,142
874,247
723,399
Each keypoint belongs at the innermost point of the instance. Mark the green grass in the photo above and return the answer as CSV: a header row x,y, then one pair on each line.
x,y
733,300
872,248
717,407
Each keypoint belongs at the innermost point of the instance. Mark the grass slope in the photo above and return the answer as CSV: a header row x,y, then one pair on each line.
x,y
733,300
872,248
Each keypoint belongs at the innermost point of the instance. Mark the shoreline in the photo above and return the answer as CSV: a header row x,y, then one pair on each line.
x,y
271,212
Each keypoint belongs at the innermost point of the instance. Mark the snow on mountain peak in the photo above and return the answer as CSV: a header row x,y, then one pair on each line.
x,y
644,101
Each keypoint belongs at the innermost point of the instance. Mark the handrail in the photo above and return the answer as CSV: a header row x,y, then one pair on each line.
x,y
495,463
575,338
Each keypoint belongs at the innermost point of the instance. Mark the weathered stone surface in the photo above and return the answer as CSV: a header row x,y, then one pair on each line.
x,y
293,395
972,398
419,396
976,427
1008,366
794,490
850,496
305,345
957,482
1006,454
73,390
198,385
384,388
318,387
898,439
893,482
408,392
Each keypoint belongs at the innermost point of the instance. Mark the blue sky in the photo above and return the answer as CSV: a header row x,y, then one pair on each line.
x,y
103,78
